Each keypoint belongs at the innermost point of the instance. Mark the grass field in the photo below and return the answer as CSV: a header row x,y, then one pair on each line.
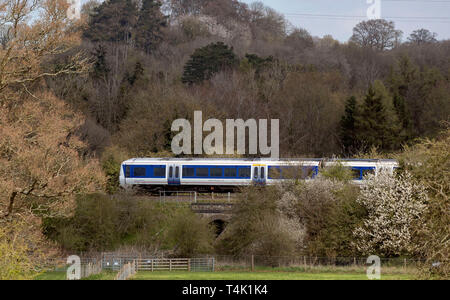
x,y
288,274
261,276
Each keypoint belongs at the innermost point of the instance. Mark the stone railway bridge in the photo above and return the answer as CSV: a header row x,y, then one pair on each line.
x,y
218,214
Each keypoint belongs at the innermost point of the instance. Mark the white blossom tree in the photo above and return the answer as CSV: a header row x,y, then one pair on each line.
x,y
395,204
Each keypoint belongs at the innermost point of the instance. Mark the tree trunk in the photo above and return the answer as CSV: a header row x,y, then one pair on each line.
x,y
11,203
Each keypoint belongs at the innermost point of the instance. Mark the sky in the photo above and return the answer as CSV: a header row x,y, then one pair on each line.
x,y
338,17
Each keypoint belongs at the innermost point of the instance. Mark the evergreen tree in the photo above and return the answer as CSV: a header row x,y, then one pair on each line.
x,y
374,128
101,68
148,32
207,61
112,21
348,126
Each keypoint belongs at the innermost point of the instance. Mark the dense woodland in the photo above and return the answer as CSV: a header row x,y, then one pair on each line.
x,y
78,97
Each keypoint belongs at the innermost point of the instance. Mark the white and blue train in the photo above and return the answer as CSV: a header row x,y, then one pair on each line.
x,y
222,175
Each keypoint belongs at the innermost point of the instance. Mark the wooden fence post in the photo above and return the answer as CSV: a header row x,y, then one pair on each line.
x,y
253,263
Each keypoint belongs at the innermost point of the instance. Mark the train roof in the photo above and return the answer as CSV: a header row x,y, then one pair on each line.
x,y
170,159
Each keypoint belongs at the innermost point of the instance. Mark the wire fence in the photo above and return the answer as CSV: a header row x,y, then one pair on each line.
x,y
128,270
254,262
127,264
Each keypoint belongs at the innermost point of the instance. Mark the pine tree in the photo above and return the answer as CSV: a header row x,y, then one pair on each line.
x,y
112,21
207,61
348,126
101,68
148,32
375,128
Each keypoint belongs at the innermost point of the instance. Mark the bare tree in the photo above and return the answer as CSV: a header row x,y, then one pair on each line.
x,y
377,34
422,36
29,42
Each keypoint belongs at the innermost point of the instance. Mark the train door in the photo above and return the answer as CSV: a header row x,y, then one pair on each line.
x,y
259,175
174,174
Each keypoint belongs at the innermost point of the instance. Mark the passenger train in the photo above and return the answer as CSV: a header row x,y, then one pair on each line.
x,y
224,175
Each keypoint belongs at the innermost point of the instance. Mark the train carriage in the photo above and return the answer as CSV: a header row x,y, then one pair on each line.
x,y
224,175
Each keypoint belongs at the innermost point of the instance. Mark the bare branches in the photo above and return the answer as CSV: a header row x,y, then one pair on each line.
x,y
36,31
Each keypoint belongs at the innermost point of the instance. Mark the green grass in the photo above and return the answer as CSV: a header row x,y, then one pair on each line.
x,y
61,275
263,276
293,273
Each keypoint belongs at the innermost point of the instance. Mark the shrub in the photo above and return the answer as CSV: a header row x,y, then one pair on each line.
x,y
191,235
260,226
395,205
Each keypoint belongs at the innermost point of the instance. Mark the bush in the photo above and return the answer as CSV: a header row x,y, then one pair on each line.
x,y
104,223
429,163
259,226
191,235
395,206
329,212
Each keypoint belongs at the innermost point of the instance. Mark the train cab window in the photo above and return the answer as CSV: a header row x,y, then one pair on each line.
x,y
255,173
127,171
188,172
244,172
368,171
356,174
202,172
216,172
170,172
177,172
139,172
230,172
159,172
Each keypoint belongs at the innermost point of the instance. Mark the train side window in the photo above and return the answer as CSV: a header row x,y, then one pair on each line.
x,y
177,172
139,172
230,172
307,172
216,172
274,172
263,175
244,172
202,172
170,172
368,171
255,172
356,174
188,172
159,172
127,171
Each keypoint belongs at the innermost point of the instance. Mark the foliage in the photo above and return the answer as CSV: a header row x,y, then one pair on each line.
x,y
111,163
377,34
191,235
348,126
16,243
329,212
428,162
260,226
207,61
337,172
422,36
103,222
395,205
149,24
